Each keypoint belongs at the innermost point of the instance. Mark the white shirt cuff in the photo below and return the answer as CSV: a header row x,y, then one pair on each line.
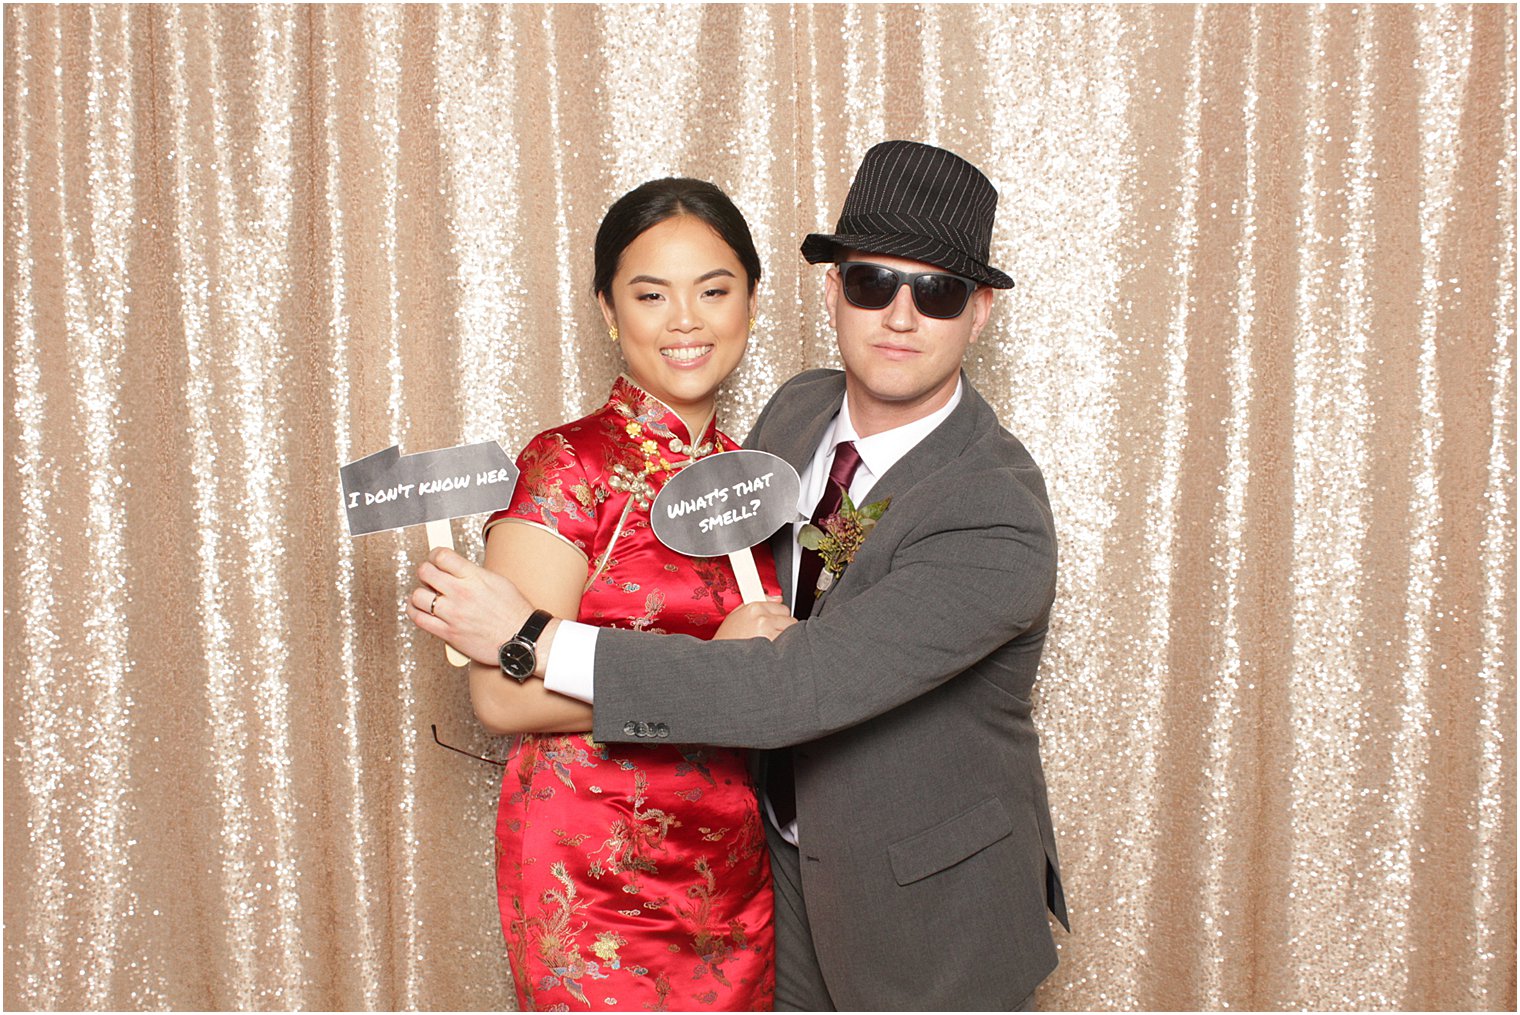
x,y
572,660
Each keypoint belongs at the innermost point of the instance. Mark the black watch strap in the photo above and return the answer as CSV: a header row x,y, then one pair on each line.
x,y
519,654
534,625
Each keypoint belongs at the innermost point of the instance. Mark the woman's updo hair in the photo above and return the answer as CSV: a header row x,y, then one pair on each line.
x,y
651,203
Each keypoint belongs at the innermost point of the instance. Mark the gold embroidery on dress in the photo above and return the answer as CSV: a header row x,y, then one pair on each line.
x,y
556,940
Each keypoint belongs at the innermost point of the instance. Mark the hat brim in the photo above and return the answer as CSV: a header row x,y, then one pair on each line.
x,y
818,248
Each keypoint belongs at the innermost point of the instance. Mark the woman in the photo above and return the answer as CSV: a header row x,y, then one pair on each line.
x,y
632,877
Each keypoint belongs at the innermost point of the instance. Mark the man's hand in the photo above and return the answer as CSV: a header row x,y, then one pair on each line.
x,y
473,609
756,620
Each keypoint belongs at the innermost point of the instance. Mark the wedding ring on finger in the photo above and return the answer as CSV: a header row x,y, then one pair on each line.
x,y
433,606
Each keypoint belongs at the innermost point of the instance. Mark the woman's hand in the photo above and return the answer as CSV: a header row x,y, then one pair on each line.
x,y
473,609
756,620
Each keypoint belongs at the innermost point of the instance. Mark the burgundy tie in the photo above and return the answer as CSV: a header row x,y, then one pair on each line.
x,y
841,474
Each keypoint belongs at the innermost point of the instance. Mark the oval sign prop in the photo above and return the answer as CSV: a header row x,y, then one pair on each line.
x,y
725,503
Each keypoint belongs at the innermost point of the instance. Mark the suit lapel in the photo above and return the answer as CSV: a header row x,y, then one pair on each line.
x,y
793,435
943,444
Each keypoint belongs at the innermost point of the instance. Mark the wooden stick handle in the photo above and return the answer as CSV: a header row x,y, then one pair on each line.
x,y
441,533
749,578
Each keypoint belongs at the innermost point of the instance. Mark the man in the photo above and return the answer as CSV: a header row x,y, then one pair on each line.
x,y
911,839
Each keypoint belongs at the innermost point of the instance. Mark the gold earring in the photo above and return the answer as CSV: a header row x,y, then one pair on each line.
x,y
612,333
751,324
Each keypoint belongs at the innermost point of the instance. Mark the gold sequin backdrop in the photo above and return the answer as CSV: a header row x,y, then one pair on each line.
x,y
1262,343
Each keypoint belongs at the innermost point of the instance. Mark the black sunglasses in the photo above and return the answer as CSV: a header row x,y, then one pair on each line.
x,y
935,293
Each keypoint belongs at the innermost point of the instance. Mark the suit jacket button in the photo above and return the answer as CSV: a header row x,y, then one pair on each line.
x,y
630,728
661,730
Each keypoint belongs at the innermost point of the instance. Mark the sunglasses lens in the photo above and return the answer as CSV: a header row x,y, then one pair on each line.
x,y
940,295
936,294
870,286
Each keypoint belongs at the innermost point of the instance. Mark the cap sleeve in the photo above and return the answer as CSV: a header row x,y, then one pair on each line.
x,y
553,492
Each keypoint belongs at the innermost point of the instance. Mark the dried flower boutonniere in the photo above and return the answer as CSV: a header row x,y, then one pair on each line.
x,y
838,537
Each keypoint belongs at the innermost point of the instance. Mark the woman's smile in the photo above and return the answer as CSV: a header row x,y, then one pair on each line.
x,y
686,355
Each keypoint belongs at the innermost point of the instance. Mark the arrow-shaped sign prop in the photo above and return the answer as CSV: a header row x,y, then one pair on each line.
x,y
388,490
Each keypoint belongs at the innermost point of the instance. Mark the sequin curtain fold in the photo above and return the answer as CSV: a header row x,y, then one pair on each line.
x,y
1262,342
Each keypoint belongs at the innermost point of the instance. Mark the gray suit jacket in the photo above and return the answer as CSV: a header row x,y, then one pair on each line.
x,y
928,860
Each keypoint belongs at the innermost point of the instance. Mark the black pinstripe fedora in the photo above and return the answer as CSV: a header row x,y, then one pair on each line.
x,y
920,202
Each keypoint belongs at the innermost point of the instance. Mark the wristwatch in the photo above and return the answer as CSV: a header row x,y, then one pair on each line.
x,y
519,655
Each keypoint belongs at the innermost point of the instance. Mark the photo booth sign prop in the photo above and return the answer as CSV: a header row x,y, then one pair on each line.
x,y
388,490
726,503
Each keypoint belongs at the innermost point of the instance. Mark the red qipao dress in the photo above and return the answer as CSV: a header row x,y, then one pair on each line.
x,y
630,876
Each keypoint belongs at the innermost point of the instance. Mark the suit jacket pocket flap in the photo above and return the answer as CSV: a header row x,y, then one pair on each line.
x,y
949,842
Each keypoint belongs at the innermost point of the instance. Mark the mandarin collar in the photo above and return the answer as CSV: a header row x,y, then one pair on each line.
x,y
664,424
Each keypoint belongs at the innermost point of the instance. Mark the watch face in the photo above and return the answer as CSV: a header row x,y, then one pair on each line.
x,y
517,659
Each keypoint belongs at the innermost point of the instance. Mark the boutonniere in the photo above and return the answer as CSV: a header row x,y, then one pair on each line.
x,y
838,537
